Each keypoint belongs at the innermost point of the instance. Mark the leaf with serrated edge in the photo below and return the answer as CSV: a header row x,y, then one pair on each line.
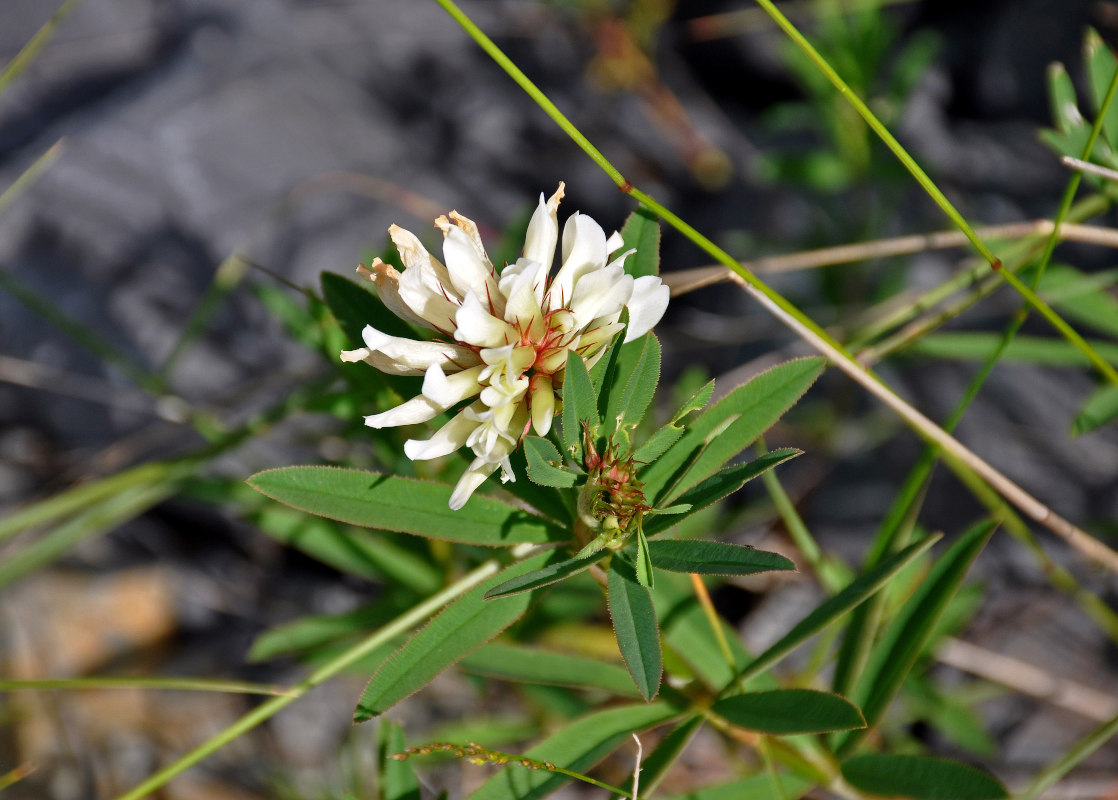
x,y
634,383
718,486
580,403
459,629
545,465
634,622
714,558
553,573
920,778
757,404
644,563
785,712
642,233
373,500
577,747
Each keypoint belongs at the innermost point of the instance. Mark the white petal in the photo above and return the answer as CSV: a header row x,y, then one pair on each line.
x,y
604,291
598,333
469,270
446,440
584,250
450,391
646,306
399,356
387,281
615,243
477,326
471,479
523,290
418,409
425,285
543,231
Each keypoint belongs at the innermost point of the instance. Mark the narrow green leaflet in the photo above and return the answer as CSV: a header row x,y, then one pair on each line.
x,y
578,747
1101,64
920,778
348,549
397,780
533,665
543,577
1101,408
642,233
659,442
753,408
545,465
634,622
1083,297
580,403
459,629
784,712
545,499
632,385
714,558
643,561
412,506
720,485
836,607
896,653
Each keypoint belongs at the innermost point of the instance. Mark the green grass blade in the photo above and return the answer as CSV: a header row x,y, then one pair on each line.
x,y
35,44
835,608
906,638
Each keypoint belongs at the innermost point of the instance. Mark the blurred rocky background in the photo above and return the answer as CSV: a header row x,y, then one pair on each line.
x,y
292,134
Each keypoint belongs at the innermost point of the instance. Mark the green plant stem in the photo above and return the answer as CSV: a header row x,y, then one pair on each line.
x,y
1059,769
145,682
402,624
957,456
1016,257
31,174
37,42
828,575
933,191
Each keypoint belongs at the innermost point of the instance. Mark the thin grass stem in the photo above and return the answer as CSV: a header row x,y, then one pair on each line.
x,y
402,624
144,682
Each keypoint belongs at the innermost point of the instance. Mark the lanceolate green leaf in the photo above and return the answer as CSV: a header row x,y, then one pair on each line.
x,y
545,465
895,655
718,486
633,383
835,608
542,577
457,630
578,747
1101,408
397,780
642,232
920,778
373,500
756,787
634,622
790,711
659,442
580,403
532,665
643,561
754,407
714,558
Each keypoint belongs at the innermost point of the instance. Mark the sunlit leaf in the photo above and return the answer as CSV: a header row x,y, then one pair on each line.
x,y
419,507
714,558
545,465
634,622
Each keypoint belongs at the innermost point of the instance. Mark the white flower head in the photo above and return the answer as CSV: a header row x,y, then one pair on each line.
x,y
502,337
